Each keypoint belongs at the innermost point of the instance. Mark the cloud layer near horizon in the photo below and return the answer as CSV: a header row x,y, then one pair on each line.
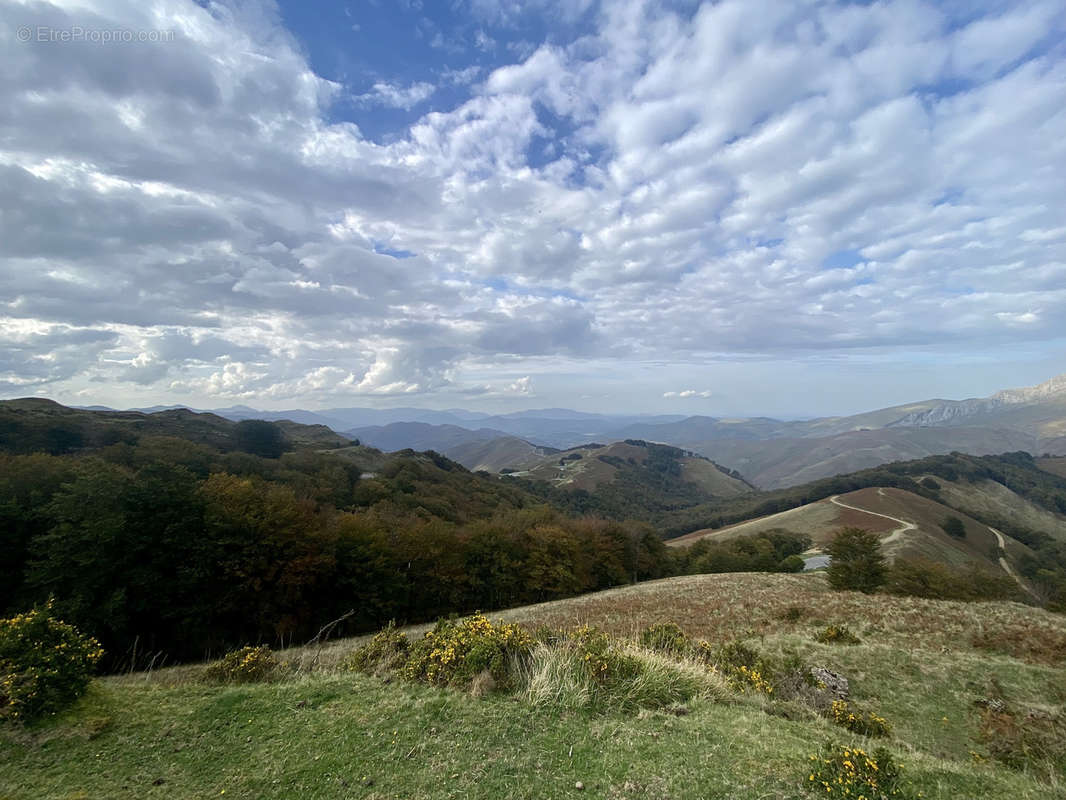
x,y
193,219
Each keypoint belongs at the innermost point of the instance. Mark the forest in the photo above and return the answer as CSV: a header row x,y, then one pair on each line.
x,y
158,545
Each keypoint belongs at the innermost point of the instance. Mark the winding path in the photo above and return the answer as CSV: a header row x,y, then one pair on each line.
x,y
1003,561
910,526
904,525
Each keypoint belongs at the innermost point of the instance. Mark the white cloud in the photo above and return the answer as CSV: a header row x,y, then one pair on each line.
x,y
748,182
685,394
392,96
523,385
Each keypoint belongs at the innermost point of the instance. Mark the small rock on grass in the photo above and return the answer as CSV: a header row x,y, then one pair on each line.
x,y
579,786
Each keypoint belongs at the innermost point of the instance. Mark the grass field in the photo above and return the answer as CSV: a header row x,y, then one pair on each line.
x,y
326,733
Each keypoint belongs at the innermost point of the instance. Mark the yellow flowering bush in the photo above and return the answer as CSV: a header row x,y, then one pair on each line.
x,y
386,651
745,669
246,665
599,656
702,651
840,771
455,653
865,723
836,634
45,664
750,680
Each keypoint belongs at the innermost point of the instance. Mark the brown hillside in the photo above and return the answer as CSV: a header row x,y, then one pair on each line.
x,y
1056,466
907,524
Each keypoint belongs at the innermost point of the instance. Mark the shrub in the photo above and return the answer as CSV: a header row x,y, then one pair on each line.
x,y
457,653
702,652
792,563
864,723
930,484
793,614
840,771
246,665
916,577
385,652
836,634
856,560
666,637
45,664
793,680
1033,740
1036,644
744,669
604,661
953,526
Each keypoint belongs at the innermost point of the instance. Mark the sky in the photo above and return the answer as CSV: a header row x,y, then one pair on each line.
x,y
734,208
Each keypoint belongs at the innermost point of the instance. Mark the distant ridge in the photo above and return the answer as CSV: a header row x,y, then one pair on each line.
x,y
771,453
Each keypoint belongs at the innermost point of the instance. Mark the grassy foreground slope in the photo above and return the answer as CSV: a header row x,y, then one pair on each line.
x,y
327,733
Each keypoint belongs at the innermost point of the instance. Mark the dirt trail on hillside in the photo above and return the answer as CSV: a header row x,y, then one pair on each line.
x,y
1003,562
910,526
892,537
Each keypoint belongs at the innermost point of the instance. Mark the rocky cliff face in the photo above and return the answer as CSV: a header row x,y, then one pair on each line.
x,y
955,411
1048,390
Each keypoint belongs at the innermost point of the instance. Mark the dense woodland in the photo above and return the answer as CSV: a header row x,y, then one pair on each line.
x,y
157,543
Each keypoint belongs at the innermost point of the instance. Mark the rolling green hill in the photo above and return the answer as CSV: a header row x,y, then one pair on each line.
x,y
633,479
37,425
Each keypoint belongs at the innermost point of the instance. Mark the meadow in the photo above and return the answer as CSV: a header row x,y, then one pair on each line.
x,y
323,731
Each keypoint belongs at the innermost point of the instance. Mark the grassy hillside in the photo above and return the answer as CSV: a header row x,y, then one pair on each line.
x,y
1056,466
908,525
37,425
630,479
502,452
323,732
779,463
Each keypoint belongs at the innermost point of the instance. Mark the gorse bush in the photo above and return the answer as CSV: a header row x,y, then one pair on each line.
x,y
581,667
836,634
385,652
45,664
601,656
745,669
840,771
457,653
665,637
246,665
864,723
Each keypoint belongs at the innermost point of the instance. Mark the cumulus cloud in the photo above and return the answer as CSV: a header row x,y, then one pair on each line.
x,y
685,394
523,385
771,181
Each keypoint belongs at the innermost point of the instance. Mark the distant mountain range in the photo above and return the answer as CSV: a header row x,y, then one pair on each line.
x,y
770,453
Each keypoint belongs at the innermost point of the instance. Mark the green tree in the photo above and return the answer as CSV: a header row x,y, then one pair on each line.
x,y
260,438
953,526
856,561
